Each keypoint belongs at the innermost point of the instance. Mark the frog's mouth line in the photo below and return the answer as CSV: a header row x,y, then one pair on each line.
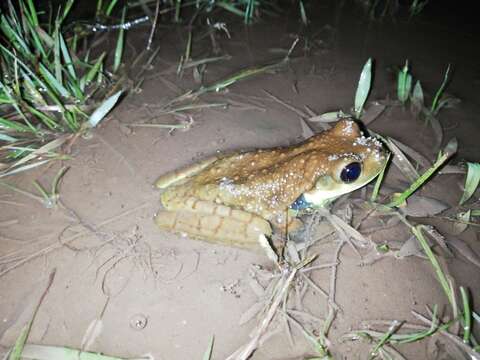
x,y
322,196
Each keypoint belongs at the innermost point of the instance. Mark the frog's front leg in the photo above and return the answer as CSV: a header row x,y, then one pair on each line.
x,y
213,222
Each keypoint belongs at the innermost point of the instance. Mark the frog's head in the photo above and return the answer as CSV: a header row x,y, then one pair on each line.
x,y
350,160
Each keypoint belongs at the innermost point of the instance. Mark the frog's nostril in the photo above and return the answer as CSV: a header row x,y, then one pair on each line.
x,y
351,172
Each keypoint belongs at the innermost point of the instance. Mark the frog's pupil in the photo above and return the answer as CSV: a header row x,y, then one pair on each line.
x,y
351,172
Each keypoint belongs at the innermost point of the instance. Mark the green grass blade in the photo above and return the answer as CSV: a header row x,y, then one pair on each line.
x,y
178,8
17,108
66,10
32,74
110,7
42,151
13,14
13,125
27,167
231,8
31,28
16,353
90,75
33,12
57,65
439,93
41,190
48,121
120,41
208,353
45,37
99,8
7,138
57,179
363,88
13,37
472,181
378,182
70,119
384,339
46,352
66,57
249,12
103,109
450,149
303,13
53,82
74,88
417,231
467,316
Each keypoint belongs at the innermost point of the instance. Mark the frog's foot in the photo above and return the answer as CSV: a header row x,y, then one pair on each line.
x,y
216,223
286,223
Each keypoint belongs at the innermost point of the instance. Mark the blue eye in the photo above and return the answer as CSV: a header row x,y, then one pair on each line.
x,y
300,203
351,172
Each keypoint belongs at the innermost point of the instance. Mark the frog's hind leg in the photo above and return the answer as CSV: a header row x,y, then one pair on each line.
x,y
176,176
216,223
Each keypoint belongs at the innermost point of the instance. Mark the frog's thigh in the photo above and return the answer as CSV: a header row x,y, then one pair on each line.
x,y
217,223
177,176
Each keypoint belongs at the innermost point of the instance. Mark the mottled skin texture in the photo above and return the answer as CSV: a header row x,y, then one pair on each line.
x,y
233,199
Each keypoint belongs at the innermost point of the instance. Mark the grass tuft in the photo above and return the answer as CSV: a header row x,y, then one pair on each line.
x,y
46,89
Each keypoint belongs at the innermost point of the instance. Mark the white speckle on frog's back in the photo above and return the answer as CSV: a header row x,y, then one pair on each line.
x,y
348,129
349,155
368,142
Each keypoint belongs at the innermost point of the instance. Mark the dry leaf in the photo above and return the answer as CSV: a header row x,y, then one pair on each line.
x,y
465,251
422,206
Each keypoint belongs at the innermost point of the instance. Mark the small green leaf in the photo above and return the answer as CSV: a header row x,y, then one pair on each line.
x,y
363,88
329,117
404,83
472,181
103,109
417,97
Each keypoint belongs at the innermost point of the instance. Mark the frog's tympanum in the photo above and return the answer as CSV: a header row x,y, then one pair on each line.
x,y
235,198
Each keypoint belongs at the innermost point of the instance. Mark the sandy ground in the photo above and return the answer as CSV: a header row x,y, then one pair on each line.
x,y
166,295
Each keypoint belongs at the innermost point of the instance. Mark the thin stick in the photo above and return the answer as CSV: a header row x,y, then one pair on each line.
x,y
154,26
253,344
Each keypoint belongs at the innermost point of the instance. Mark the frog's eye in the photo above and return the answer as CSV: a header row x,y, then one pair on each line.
x,y
351,172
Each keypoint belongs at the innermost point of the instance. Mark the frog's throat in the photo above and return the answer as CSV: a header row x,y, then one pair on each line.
x,y
323,195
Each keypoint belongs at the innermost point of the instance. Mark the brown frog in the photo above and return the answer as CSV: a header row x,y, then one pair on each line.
x,y
235,198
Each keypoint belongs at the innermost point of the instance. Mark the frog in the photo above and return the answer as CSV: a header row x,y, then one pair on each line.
x,y
234,199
